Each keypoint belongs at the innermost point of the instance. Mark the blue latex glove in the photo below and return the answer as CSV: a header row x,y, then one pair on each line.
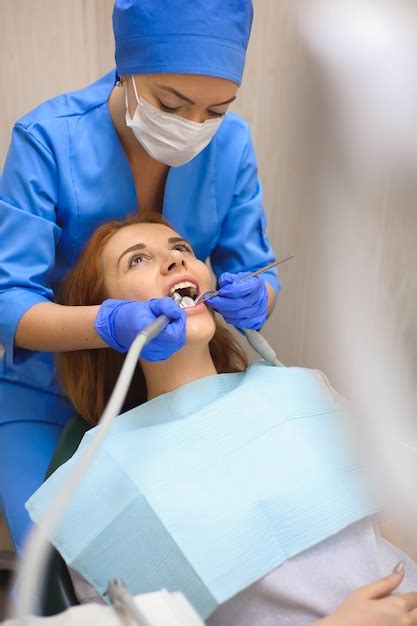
x,y
242,303
119,321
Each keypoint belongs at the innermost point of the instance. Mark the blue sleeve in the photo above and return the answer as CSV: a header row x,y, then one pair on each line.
x,y
29,233
243,244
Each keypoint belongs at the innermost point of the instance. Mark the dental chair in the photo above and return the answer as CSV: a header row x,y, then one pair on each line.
x,y
58,592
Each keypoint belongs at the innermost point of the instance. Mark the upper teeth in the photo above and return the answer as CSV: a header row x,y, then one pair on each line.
x,y
182,285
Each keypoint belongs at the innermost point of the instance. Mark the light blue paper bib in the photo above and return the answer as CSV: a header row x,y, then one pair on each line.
x,y
208,488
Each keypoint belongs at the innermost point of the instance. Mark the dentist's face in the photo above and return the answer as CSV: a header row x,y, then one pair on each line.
x,y
144,261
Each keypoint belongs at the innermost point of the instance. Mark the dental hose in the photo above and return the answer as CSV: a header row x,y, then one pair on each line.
x,y
37,547
262,347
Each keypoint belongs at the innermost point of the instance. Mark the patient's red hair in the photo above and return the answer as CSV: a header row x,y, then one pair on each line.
x,y
89,376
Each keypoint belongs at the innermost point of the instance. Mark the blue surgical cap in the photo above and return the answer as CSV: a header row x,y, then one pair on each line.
x,y
207,37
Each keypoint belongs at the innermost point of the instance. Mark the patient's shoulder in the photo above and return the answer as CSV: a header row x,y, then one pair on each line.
x,y
322,379
312,382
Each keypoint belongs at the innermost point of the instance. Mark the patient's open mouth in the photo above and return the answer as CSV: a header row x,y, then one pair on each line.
x,y
184,293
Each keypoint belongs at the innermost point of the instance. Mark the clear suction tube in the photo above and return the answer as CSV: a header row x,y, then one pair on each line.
x,y
262,347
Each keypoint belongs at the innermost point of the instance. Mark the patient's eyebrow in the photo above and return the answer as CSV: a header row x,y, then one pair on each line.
x,y
179,240
137,246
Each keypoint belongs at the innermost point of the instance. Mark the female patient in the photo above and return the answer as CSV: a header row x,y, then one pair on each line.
x,y
185,396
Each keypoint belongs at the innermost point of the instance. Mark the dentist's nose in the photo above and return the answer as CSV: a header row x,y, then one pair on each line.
x,y
174,260
197,116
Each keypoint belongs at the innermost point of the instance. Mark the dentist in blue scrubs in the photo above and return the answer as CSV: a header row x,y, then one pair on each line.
x,y
152,134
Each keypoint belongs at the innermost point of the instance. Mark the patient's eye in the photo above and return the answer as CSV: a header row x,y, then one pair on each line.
x,y
136,259
183,247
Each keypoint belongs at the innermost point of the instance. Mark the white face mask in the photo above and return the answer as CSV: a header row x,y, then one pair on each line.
x,y
168,138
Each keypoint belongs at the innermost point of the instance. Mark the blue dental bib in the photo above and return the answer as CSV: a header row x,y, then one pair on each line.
x,y
208,488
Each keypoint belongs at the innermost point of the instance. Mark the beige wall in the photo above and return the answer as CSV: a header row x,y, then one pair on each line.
x,y
48,47
52,46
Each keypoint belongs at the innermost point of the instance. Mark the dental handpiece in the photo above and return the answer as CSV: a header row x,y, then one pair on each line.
x,y
211,294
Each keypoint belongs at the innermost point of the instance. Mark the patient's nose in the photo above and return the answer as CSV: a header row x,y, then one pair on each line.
x,y
174,260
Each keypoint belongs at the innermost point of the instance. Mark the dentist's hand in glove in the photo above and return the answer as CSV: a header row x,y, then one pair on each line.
x,y
119,321
242,303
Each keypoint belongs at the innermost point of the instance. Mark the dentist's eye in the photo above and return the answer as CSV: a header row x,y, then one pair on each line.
x,y
214,114
167,109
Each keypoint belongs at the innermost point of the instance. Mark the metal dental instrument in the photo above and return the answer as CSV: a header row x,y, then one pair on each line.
x,y
212,293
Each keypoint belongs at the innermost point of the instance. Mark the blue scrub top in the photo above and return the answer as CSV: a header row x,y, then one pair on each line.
x,y
65,174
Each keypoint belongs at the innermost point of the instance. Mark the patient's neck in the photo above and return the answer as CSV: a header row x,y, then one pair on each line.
x,y
188,364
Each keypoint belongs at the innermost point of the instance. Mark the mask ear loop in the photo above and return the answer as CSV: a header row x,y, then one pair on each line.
x,y
126,102
135,90
136,95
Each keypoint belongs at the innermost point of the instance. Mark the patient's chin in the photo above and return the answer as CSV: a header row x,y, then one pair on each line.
x,y
200,328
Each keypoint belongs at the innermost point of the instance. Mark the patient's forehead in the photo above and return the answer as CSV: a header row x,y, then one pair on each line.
x,y
149,234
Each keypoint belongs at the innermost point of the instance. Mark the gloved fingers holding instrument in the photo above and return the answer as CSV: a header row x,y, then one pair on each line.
x,y
242,301
119,321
